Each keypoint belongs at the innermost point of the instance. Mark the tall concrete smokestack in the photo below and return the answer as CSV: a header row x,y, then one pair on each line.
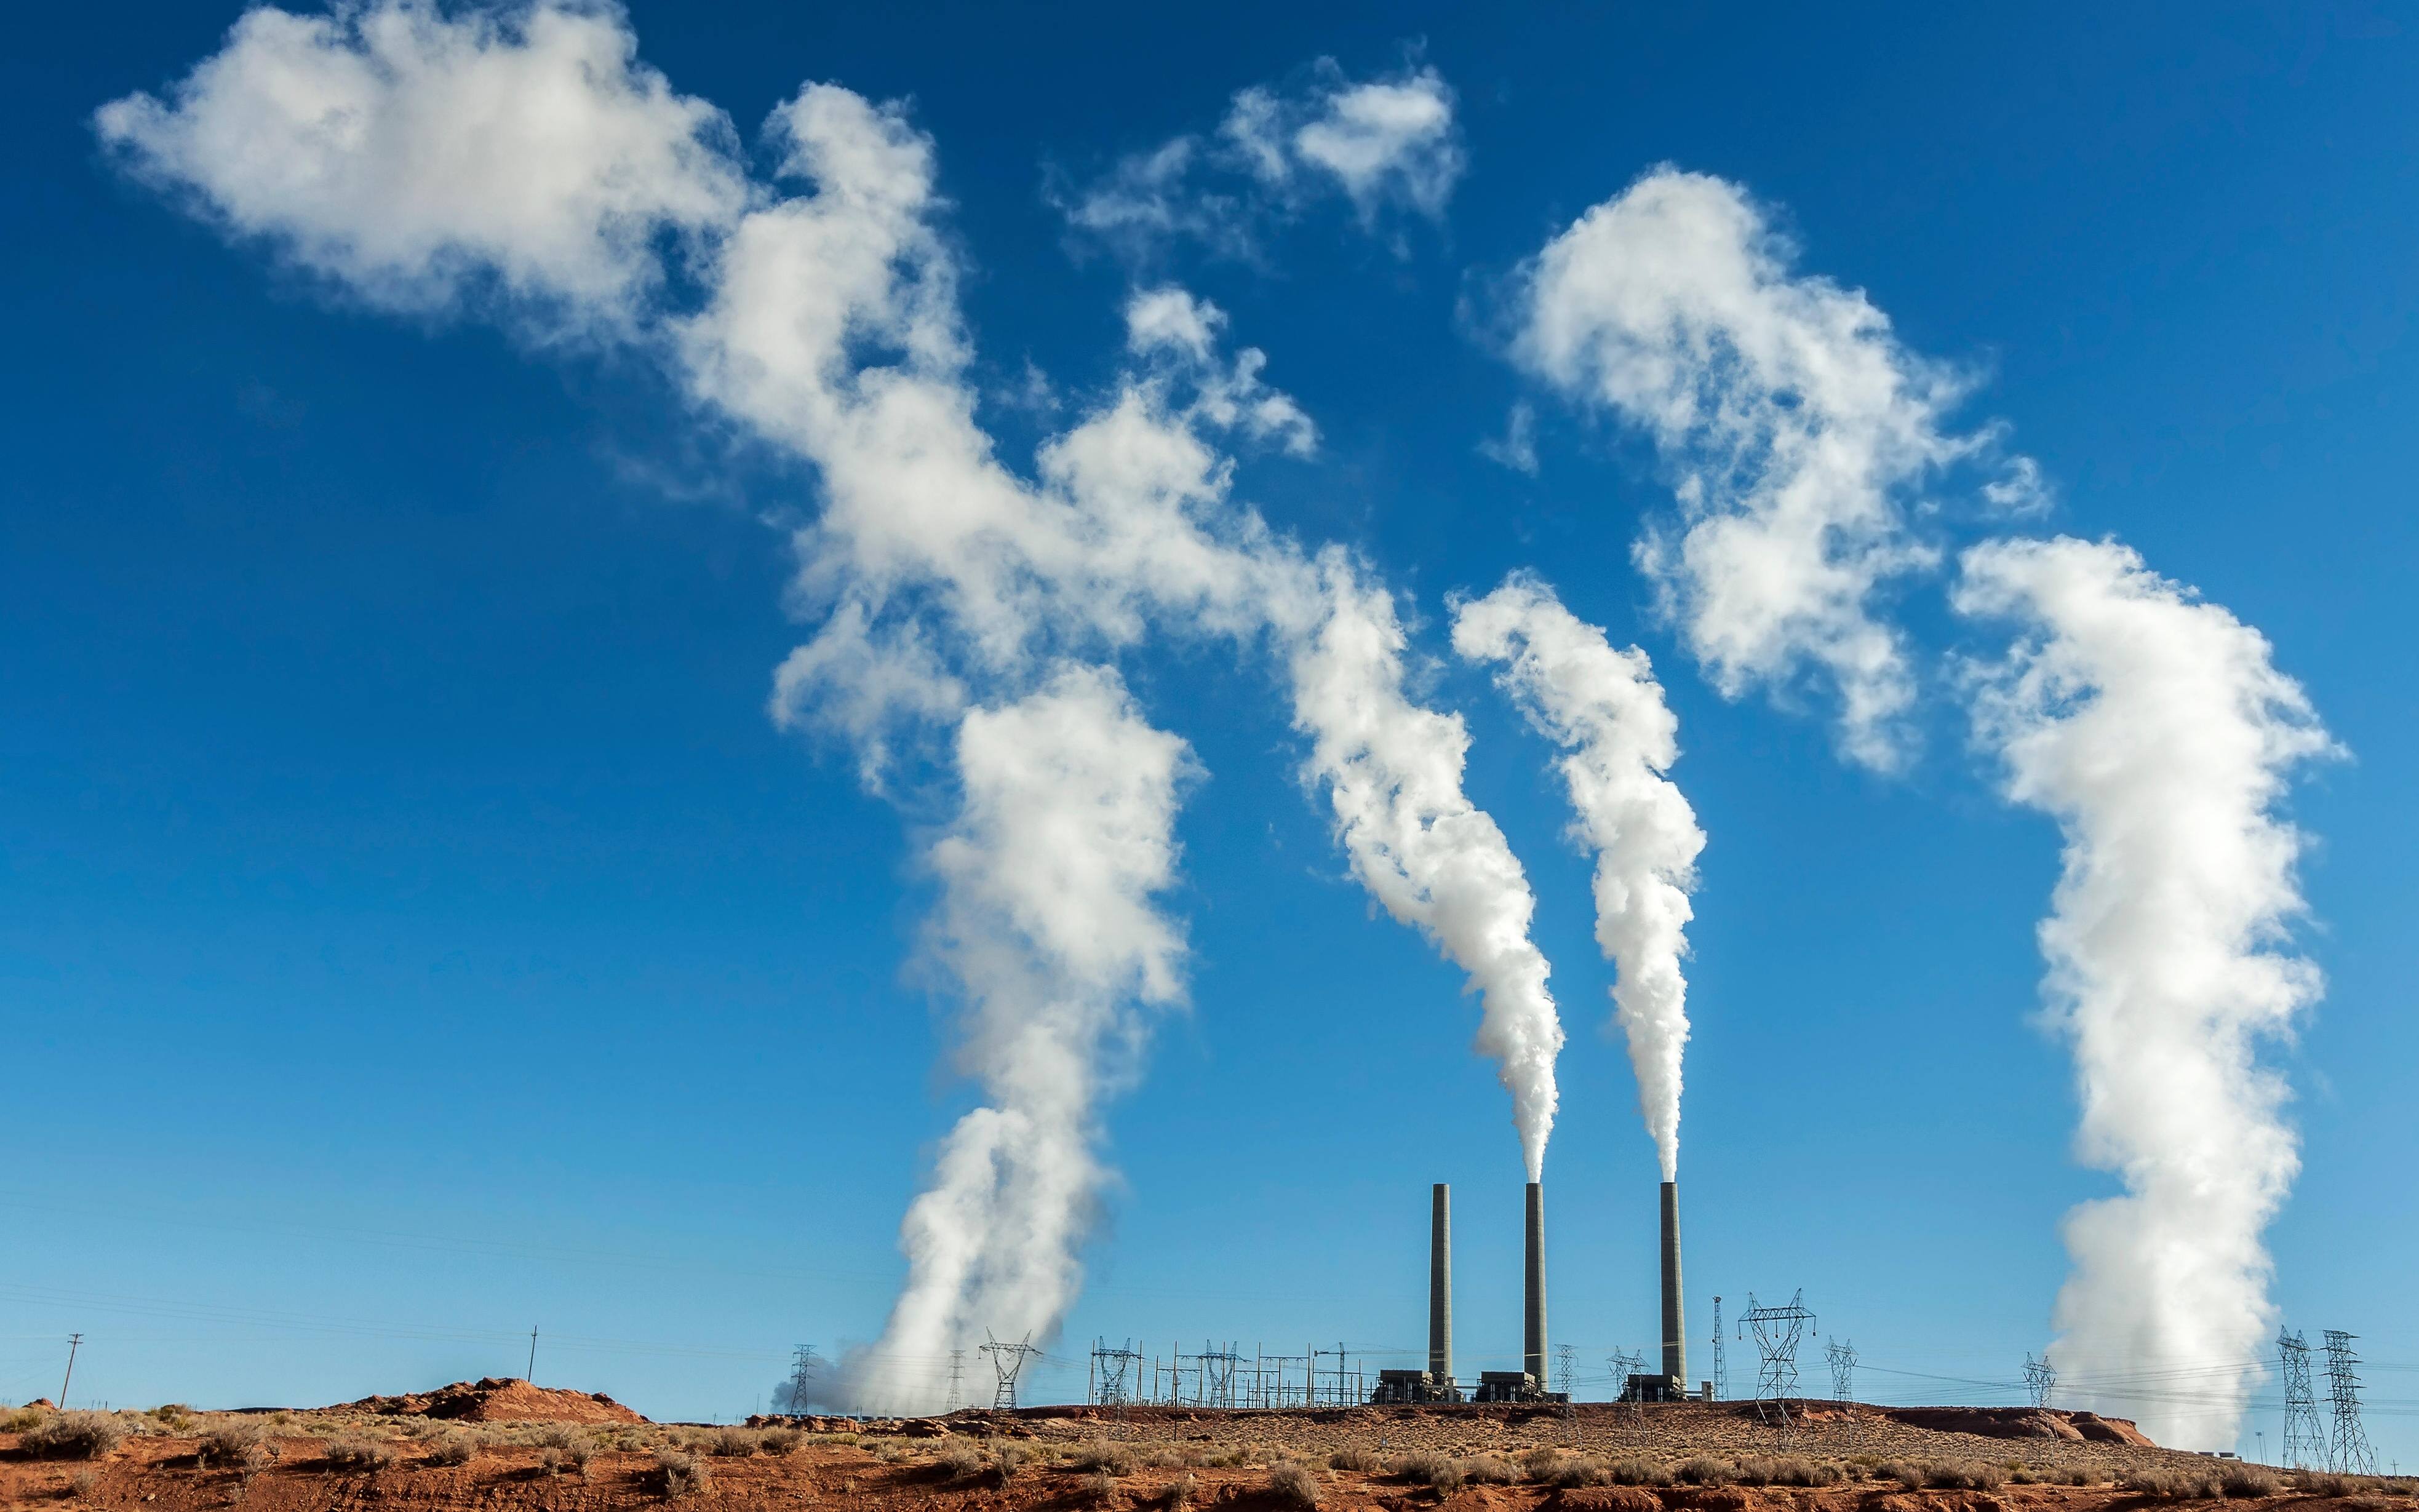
x,y
1533,1301
1440,1285
1675,1332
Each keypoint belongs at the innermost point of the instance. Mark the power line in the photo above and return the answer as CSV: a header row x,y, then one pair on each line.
x,y
2040,1379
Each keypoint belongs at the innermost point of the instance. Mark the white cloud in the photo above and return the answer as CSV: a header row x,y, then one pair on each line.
x,y
410,156
2157,731
1795,422
1390,145
1517,448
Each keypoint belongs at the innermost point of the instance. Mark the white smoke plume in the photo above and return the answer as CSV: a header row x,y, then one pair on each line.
x,y
2157,731
1393,771
967,611
1606,709
1793,419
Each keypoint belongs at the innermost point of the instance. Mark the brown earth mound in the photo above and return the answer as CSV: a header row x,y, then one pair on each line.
x,y
494,1399
2024,1423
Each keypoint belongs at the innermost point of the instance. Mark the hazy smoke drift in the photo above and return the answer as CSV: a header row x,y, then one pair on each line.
x,y
2152,727
528,164
2158,734
1605,707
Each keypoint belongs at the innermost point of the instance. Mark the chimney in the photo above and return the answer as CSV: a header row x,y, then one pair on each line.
x,y
1533,1309
1675,1333
1440,1284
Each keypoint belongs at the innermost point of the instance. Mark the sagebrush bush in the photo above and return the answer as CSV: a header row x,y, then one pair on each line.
x,y
1182,1493
72,1436
1354,1457
780,1440
1109,1458
2323,1483
1574,1471
1907,1475
1705,1470
1007,1457
1965,1476
2249,1480
1635,1470
2165,1484
678,1474
1292,1484
1488,1469
1425,1467
236,1445
454,1448
354,1451
733,1443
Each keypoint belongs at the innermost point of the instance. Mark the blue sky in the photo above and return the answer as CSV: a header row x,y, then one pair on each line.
x,y
413,929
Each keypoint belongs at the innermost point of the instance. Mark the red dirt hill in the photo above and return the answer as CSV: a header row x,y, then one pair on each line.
x,y
495,1399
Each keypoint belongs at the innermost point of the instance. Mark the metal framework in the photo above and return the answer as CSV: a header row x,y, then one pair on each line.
x,y
1843,1357
1624,1365
1721,1365
2305,1439
957,1380
1111,1381
802,1371
1007,1360
2040,1379
1777,1332
1217,1374
2352,1455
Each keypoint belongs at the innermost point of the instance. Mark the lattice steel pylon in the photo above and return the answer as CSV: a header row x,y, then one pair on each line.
x,y
2352,1455
956,1379
1218,1375
802,1371
2040,1379
1842,1355
1006,1360
2305,1439
1626,1364
1777,1332
1110,1367
1722,1364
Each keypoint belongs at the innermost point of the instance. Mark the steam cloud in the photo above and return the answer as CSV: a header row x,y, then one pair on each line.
x,y
2153,728
970,617
2157,732
1605,707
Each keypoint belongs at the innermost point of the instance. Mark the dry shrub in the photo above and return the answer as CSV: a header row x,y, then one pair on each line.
x,y
733,1443
1007,1457
1108,1459
1425,1467
678,1475
83,1484
2249,1480
1705,1470
958,1460
1292,1484
779,1442
1786,1470
2163,1484
2323,1483
1638,1470
1965,1476
356,1451
235,1445
1574,1471
1162,1456
72,1436
1182,1493
2078,1476
1354,1457
1488,1469
454,1448
1220,1459
1910,1476
555,1436
20,1420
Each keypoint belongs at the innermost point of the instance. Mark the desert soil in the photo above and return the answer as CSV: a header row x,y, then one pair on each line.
x,y
1156,1457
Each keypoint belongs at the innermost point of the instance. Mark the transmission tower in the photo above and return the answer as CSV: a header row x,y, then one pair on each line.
x,y
1626,1364
1109,1371
1842,1356
1778,1332
2353,1455
802,1369
1218,1375
1006,1360
957,1380
2305,1441
2040,1379
1721,1366
1567,1374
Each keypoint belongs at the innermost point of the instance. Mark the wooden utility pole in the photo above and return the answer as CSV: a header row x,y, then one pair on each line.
x,y
531,1375
73,1340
